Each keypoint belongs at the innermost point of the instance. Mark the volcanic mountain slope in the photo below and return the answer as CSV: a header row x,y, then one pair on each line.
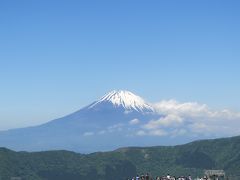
x,y
105,124
118,119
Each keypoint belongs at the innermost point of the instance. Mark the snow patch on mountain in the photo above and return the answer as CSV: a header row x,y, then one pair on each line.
x,y
125,99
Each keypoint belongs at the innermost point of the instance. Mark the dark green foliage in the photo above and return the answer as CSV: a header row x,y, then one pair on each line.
x,y
186,159
61,165
121,170
195,160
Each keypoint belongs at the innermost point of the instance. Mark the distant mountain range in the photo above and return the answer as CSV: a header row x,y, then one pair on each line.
x,y
192,158
116,120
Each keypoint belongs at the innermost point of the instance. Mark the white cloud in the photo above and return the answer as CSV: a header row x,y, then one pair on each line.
x,y
141,133
88,134
127,111
193,109
168,120
179,119
134,121
115,127
157,132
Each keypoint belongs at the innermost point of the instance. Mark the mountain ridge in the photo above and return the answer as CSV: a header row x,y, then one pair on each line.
x,y
191,158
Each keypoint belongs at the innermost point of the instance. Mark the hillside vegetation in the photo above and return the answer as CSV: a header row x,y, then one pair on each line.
x,y
186,159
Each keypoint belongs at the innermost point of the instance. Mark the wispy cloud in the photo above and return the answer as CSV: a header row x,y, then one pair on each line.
x,y
115,127
141,133
134,121
155,132
88,134
102,132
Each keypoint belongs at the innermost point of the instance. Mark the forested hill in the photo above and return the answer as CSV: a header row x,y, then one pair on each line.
x,y
62,165
186,159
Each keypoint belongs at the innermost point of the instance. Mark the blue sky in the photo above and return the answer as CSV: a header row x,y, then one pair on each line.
x,y
58,56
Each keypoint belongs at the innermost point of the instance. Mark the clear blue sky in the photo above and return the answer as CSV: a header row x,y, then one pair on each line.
x,y
58,56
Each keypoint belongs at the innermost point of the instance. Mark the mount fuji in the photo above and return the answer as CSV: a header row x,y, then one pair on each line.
x,y
113,121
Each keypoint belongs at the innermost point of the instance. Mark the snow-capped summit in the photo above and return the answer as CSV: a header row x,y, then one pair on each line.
x,y
126,100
